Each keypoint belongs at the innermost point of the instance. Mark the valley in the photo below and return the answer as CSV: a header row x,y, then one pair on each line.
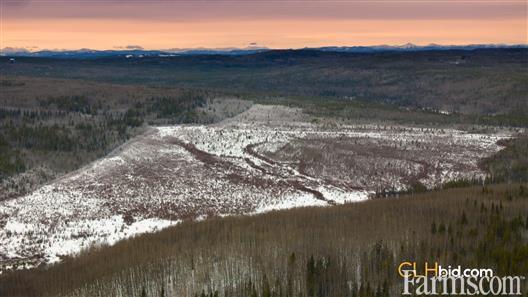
x,y
266,158
279,173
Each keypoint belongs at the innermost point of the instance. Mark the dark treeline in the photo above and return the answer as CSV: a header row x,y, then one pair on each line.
x,y
511,163
348,250
59,133
10,160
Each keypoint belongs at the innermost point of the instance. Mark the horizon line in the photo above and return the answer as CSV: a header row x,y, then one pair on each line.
x,y
256,47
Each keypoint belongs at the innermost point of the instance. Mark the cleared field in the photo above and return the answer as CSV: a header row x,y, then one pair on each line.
x,y
266,158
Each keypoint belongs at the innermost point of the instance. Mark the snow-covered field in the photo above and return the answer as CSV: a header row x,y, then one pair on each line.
x,y
263,159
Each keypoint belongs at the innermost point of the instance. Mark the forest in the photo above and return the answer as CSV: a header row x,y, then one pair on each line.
x,y
486,82
348,250
51,127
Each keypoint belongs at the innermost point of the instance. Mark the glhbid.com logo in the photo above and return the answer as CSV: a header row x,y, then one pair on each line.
x,y
434,279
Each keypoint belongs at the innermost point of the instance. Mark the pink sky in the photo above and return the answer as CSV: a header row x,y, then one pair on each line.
x,y
165,24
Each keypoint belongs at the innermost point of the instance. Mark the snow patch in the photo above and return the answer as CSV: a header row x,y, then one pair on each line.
x,y
292,201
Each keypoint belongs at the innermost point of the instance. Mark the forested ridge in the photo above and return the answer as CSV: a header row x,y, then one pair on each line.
x,y
483,81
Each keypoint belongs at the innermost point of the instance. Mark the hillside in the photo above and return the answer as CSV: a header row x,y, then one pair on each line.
x,y
49,127
348,250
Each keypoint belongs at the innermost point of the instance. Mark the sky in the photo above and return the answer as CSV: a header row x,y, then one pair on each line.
x,y
183,24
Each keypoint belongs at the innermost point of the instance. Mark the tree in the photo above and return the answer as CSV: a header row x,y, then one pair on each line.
x,y
310,277
290,273
266,291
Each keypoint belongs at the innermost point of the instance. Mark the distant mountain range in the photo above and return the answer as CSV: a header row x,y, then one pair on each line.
x,y
413,47
139,53
135,53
